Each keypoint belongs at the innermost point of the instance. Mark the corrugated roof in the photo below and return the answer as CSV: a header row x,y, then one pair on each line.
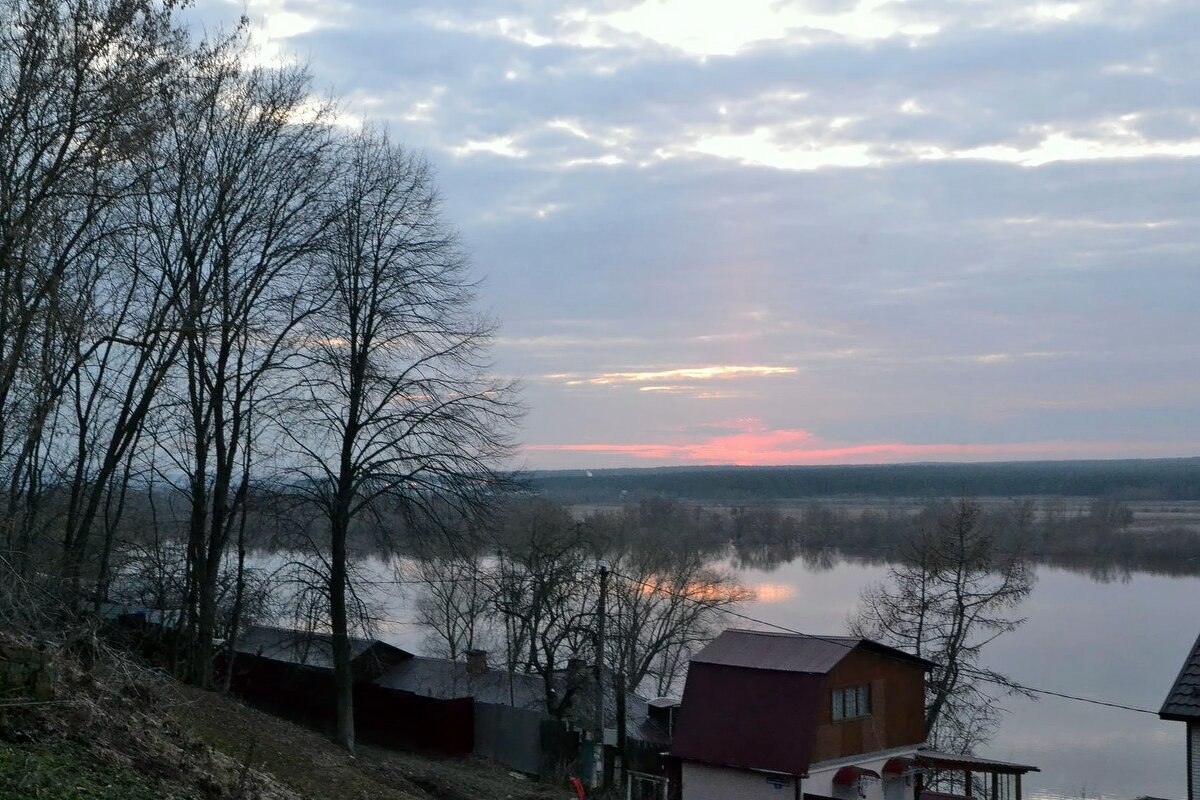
x,y
752,698
447,680
1183,701
789,652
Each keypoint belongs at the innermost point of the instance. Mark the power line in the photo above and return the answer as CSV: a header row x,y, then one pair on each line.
x,y
978,675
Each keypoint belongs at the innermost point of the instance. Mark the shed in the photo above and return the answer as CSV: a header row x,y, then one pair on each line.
x,y
755,700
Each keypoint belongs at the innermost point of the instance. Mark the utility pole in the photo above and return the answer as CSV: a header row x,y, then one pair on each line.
x,y
598,718
621,772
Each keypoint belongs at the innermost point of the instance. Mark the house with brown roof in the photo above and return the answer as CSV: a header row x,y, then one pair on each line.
x,y
776,715
1183,705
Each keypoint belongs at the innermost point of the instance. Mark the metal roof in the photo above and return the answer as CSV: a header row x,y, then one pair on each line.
x,y
1183,701
447,680
752,698
936,759
302,648
789,652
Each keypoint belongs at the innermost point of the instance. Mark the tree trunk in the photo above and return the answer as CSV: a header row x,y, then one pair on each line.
x,y
343,678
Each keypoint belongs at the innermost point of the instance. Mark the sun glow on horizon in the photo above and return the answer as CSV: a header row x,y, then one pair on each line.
x,y
749,442
684,373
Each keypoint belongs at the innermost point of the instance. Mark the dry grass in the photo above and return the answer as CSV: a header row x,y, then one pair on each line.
x,y
114,731
315,768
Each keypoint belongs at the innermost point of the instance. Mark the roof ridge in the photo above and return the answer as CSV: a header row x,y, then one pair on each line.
x,y
832,637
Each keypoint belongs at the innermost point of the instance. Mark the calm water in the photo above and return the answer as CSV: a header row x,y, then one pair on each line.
x,y
1122,641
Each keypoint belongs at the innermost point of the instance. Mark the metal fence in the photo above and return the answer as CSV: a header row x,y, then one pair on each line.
x,y
524,740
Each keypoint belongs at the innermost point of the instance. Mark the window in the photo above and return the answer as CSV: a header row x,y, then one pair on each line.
x,y
646,787
852,702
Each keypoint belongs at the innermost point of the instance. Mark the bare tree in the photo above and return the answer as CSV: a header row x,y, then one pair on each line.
x,y
398,401
455,602
663,606
546,594
236,217
79,83
952,593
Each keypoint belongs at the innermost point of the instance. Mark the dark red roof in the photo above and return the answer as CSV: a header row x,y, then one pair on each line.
x,y
848,776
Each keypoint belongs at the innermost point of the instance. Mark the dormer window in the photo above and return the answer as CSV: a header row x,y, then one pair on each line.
x,y
852,702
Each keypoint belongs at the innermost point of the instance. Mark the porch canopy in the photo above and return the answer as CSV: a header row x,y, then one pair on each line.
x,y
1003,777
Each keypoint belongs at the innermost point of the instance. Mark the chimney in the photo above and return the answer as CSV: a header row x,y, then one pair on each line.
x,y
477,662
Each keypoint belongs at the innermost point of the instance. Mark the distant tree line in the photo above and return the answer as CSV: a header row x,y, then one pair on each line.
x,y
1128,480
1097,535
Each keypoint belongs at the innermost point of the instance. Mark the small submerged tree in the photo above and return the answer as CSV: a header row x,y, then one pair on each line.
x,y
455,602
545,592
953,592
664,606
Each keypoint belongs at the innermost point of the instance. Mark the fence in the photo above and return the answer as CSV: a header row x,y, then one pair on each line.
x,y
524,740
382,716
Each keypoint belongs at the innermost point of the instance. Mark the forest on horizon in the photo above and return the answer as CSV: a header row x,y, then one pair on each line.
x,y
1127,480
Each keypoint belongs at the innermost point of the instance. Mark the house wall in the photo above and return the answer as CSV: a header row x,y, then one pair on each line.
x,y
700,782
897,707
1193,753
820,779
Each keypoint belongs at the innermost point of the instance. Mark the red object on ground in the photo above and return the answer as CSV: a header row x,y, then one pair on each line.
x,y
577,785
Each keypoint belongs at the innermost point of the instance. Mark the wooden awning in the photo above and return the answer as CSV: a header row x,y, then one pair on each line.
x,y
935,760
898,765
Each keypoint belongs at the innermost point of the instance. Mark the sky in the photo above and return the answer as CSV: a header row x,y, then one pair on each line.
x,y
772,232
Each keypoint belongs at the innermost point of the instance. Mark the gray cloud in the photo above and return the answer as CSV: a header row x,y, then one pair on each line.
x,y
883,213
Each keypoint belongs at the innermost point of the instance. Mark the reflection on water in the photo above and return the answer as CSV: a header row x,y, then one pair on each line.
x,y
772,592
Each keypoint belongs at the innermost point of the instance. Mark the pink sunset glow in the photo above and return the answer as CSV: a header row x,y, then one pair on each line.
x,y
749,442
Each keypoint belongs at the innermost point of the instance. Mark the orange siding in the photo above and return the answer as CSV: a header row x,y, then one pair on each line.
x,y
897,707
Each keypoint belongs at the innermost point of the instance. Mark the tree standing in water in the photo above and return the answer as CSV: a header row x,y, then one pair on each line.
x,y
952,592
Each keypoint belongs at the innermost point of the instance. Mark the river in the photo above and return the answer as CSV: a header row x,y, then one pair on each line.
x,y
1120,641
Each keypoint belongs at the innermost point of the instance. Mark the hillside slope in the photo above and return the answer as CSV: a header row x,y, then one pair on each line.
x,y
100,728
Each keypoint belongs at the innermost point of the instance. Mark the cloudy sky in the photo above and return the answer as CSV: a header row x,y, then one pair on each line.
x,y
773,232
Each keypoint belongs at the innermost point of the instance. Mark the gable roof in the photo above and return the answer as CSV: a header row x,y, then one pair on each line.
x,y
789,652
748,718
1183,701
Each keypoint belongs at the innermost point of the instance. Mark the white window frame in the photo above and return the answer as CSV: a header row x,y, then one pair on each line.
x,y
858,707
